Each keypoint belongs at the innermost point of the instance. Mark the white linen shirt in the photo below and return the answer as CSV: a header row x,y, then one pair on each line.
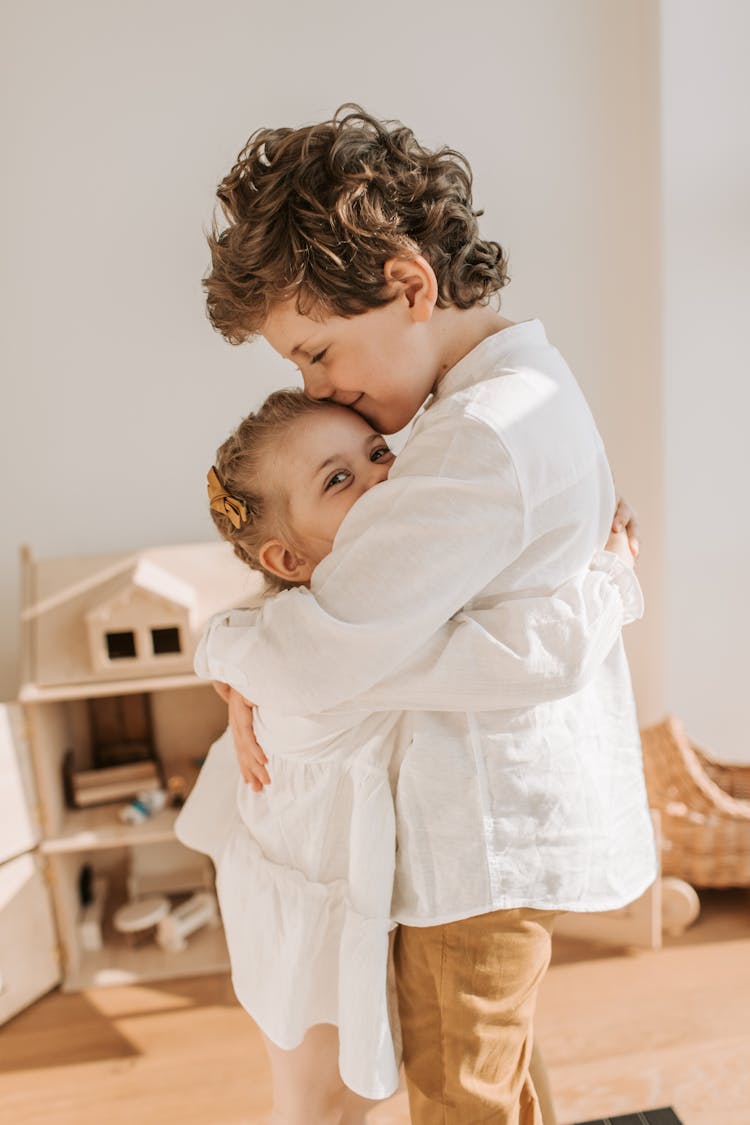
x,y
502,493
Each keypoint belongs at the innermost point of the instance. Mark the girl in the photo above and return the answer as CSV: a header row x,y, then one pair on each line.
x,y
305,868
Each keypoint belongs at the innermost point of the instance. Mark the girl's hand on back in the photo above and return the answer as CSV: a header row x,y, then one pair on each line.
x,y
222,690
627,521
619,545
250,756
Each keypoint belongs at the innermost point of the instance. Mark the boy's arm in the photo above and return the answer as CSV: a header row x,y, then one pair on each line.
x,y
410,554
521,652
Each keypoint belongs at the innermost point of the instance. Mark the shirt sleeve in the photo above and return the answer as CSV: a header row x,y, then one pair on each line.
x,y
408,556
519,653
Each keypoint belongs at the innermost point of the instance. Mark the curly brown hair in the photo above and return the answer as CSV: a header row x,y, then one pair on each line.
x,y
239,463
315,213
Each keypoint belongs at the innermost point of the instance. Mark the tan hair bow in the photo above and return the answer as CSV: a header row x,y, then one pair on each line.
x,y
220,501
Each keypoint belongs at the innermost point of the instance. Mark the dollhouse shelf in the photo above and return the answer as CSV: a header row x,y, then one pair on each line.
x,y
96,828
116,964
32,693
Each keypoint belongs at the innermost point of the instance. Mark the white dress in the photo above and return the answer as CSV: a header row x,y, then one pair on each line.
x,y
304,876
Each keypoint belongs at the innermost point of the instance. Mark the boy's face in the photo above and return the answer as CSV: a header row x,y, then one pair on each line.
x,y
381,362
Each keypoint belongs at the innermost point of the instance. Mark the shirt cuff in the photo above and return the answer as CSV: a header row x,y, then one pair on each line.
x,y
205,668
212,660
625,582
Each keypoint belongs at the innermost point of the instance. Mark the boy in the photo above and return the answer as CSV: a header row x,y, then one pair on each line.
x,y
355,252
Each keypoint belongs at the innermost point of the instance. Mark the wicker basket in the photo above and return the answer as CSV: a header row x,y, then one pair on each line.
x,y
704,807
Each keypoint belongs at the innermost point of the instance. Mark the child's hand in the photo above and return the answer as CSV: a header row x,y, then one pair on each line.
x,y
619,545
252,760
627,521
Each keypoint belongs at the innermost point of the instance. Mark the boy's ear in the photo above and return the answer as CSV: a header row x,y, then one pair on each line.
x,y
280,559
416,279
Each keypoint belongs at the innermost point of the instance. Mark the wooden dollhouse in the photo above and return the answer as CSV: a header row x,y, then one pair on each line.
x,y
107,691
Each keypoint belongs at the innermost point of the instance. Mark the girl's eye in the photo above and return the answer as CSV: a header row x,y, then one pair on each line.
x,y
337,478
320,355
379,453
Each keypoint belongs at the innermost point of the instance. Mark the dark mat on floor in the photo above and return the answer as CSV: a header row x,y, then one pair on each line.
x,y
665,1116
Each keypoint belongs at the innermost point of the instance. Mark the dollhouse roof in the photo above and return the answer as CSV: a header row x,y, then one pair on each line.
x,y
144,577
60,594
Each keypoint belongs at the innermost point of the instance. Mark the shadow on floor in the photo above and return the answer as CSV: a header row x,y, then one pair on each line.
x,y
64,1029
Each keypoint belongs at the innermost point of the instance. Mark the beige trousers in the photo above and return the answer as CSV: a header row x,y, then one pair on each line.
x,y
467,994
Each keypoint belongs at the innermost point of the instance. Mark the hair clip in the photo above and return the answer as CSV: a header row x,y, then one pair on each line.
x,y
221,501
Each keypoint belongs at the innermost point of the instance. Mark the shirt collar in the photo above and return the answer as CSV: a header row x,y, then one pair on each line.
x,y
483,360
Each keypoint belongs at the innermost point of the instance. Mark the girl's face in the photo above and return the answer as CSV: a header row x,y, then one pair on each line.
x,y
324,463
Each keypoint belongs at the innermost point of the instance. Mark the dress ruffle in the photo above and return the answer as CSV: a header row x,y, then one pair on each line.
x,y
306,951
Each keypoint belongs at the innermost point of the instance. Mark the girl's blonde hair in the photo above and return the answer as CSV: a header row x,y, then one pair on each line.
x,y
239,463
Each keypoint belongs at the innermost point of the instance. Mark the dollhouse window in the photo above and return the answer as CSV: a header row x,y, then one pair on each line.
x,y
120,646
165,641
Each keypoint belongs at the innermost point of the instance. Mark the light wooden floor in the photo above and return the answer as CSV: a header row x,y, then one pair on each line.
x,y
620,1031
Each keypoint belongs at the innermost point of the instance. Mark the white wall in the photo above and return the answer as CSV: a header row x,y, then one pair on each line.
x,y
706,216
122,117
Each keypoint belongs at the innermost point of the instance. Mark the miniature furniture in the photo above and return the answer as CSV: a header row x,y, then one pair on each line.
x,y
91,915
105,703
173,931
704,807
138,920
